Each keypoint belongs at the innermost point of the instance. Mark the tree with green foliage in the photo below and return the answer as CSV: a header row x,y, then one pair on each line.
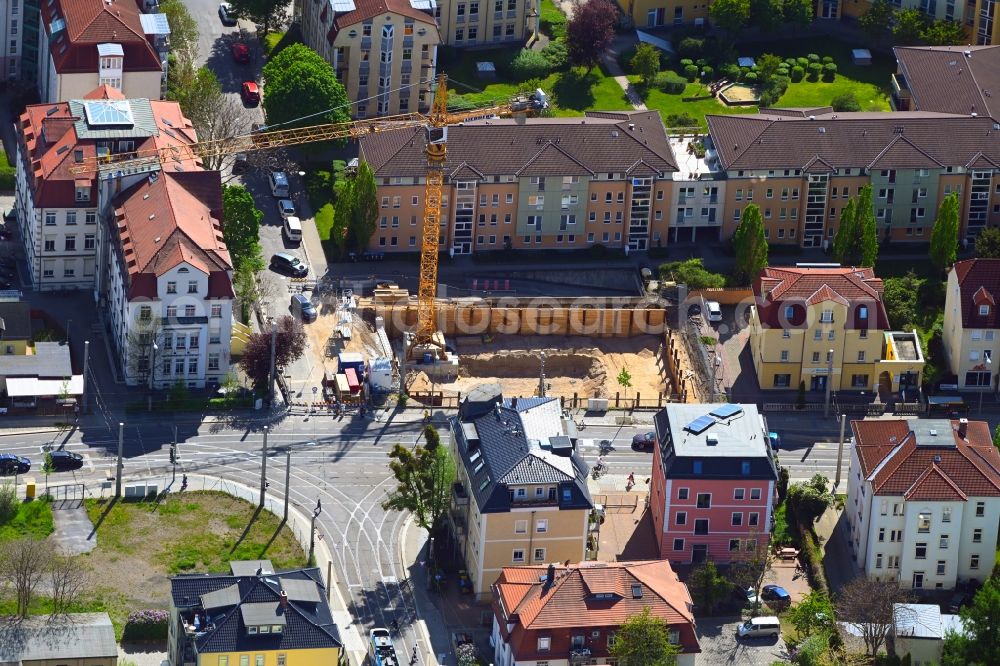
x,y
767,68
241,228
899,296
996,436
692,273
265,13
590,31
944,235
750,245
302,89
708,586
646,63
908,26
798,13
865,224
183,30
988,243
877,20
214,115
809,499
843,242
644,640
980,644
944,33
625,379
424,474
846,101
730,15
812,615
766,15
356,211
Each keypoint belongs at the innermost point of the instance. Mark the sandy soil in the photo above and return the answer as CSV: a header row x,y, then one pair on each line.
x,y
586,366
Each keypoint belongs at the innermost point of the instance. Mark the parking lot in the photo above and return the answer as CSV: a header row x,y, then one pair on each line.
x,y
719,645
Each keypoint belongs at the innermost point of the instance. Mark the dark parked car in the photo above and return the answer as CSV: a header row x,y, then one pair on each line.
x,y
958,600
644,442
64,460
775,595
290,264
11,464
304,308
226,14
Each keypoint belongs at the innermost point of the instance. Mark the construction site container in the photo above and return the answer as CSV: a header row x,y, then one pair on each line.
x,y
352,380
380,375
352,360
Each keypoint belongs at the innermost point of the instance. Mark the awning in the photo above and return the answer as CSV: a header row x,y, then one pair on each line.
x,y
647,38
22,387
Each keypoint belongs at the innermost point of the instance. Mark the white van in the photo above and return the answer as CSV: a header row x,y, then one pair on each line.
x,y
292,229
759,627
278,181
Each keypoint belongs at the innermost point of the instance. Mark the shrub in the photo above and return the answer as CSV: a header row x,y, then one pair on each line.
x,y
813,556
750,77
670,83
145,625
691,47
781,71
8,173
812,57
815,69
791,62
681,120
827,59
802,62
701,62
686,61
556,54
625,58
829,71
730,71
797,73
707,73
691,72
529,65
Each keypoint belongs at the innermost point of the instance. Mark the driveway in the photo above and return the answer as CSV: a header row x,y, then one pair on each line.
x,y
719,645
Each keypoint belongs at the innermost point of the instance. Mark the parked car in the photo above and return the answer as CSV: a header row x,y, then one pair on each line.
x,y
304,308
288,263
286,208
775,594
226,14
11,464
240,163
63,461
292,229
644,442
714,311
958,600
241,52
694,310
747,594
278,181
251,93
759,627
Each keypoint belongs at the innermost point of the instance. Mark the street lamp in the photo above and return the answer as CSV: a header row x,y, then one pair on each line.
x,y
152,365
312,528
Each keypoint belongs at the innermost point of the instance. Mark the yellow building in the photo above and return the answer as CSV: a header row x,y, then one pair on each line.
x,y
657,13
823,324
520,495
253,616
15,327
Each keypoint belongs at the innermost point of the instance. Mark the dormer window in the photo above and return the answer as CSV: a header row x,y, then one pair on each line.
x,y
265,629
984,310
863,312
789,311
637,591
83,193
826,317
252,630
276,629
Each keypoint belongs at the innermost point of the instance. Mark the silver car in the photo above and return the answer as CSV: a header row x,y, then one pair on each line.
x,y
286,208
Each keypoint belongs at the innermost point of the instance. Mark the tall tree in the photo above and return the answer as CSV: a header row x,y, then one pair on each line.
x,y
868,603
691,272
812,615
750,245
359,198
867,232
944,236
767,68
644,640
751,564
23,563
625,379
944,33
980,644
766,15
424,475
646,63
590,31
988,243
241,227
183,30
846,233
708,586
908,26
730,15
877,19
302,89
266,13
808,500
289,345
798,13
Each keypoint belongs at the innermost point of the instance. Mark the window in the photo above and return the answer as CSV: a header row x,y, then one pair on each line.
x,y
782,380
704,500
920,551
681,518
192,286
682,493
89,241
738,493
695,465
544,643
923,523
826,317
980,509
171,287
701,526
69,272
754,519
943,542
678,544
542,526
881,534
878,561
734,545
223,660
815,357
70,243
940,568
245,658
189,311
90,217
521,493
755,493
974,562
737,518
281,659
145,312
213,361
946,514
258,660
518,555
520,527
171,311
216,309
859,381
984,310
977,535
539,555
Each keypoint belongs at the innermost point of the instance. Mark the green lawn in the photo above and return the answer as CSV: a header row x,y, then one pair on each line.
x,y
668,104
33,519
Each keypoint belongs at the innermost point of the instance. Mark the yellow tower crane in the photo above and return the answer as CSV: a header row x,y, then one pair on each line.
x,y
435,123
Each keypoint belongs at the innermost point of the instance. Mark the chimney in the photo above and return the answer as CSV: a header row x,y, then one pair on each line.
x,y
260,572
963,426
550,576
284,599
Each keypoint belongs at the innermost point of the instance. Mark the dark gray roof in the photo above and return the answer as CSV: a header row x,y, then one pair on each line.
x,y
16,317
50,360
505,443
249,567
952,79
307,625
77,636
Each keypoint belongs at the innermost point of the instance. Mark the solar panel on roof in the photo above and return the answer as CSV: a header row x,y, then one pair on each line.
x,y
700,424
726,411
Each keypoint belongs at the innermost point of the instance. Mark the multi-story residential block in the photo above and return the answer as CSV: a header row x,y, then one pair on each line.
x,y
486,22
383,52
712,488
281,618
58,210
538,183
520,495
946,79
657,13
972,323
168,281
569,614
922,501
12,29
89,43
820,325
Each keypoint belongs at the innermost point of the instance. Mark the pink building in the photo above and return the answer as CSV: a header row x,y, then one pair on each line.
x,y
713,484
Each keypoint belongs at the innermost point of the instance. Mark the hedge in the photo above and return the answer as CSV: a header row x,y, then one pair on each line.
x,y
797,73
529,65
812,555
691,72
670,83
146,625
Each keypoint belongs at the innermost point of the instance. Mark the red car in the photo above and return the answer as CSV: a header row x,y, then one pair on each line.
x,y
241,53
251,93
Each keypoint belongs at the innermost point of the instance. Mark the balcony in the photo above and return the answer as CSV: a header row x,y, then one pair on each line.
x,y
579,656
902,101
902,361
458,495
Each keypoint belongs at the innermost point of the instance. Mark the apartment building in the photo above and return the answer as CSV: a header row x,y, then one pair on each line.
x,y
466,23
922,501
282,618
89,43
971,323
58,210
569,614
12,29
520,495
827,324
712,488
537,183
384,52
658,14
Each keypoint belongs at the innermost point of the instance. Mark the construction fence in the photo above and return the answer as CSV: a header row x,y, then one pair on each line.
x,y
573,402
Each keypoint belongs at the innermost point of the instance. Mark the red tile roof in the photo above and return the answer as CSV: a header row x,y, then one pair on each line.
x,y
93,22
365,10
899,462
979,284
778,288
527,608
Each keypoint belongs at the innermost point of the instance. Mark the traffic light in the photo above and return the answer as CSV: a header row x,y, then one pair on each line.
x,y
173,454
